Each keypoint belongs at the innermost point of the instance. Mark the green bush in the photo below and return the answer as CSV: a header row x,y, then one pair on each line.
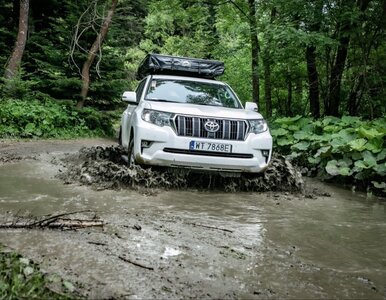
x,y
346,149
20,278
48,118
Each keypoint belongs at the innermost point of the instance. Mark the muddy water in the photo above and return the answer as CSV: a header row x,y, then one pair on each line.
x,y
201,244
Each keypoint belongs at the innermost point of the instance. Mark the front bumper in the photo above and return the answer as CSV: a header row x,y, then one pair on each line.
x,y
160,146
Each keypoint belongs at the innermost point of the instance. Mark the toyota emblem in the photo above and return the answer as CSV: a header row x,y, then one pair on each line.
x,y
211,126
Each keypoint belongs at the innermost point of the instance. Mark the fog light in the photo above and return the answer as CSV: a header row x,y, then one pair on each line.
x,y
265,153
145,144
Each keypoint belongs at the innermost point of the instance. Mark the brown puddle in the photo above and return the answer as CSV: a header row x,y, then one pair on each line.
x,y
200,243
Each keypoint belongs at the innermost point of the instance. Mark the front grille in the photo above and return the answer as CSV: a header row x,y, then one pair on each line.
x,y
208,153
195,127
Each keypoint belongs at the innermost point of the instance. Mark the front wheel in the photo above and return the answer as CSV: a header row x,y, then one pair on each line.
x,y
120,136
130,155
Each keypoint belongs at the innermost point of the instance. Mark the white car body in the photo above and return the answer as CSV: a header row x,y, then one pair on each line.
x,y
174,146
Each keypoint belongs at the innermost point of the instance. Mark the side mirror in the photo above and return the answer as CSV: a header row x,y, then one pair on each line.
x,y
129,97
251,106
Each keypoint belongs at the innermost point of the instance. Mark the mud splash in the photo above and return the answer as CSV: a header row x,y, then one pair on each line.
x,y
103,168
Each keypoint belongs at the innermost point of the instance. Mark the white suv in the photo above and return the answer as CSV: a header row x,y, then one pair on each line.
x,y
192,122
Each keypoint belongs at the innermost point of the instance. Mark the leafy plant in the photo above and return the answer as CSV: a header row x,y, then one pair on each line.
x,y
21,279
50,119
344,148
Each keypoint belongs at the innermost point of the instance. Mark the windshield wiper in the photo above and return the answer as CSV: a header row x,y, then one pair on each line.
x,y
161,100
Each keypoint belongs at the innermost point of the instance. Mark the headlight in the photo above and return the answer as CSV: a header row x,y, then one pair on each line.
x,y
158,118
257,126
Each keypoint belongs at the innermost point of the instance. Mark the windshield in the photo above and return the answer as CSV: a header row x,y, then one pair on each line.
x,y
194,92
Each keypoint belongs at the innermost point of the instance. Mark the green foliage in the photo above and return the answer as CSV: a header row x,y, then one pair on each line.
x,y
347,148
50,119
21,279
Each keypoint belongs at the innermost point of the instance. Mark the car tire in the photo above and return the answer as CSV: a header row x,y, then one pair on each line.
x,y
130,155
120,136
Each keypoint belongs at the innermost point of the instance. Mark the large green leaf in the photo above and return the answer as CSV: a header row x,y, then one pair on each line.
x,y
368,161
346,135
381,155
380,169
349,120
329,120
288,120
374,145
301,135
323,150
301,146
369,158
293,127
370,133
285,142
30,128
340,167
279,132
379,185
358,144
330,128
314,161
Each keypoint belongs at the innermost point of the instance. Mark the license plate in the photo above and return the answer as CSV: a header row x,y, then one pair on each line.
x,y
215,147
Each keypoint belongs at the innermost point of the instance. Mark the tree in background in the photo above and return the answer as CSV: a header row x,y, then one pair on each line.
x,y
317,57
95,48
14,61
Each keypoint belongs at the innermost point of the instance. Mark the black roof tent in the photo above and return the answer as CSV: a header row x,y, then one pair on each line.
x,y
181,66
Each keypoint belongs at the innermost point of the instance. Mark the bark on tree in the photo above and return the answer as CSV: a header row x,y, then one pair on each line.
x,y
93,53
14,60
359,83
344,28
288,107
267,61
254,52
355,96
313,81
267,84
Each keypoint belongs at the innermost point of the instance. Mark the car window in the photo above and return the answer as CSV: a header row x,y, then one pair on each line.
x,y
139,89
194,92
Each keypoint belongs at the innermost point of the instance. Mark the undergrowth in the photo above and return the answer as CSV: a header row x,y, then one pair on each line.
x,y
347,150
20,278
47,118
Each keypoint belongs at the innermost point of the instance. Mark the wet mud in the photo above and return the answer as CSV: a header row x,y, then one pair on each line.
x,y
103,167
186,241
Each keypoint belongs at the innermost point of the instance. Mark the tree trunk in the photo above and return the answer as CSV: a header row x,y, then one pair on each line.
x,y
93,52
313,81
211,21
267,70
355,96
288,107
14,60
359,83
267,84
333,100
255,51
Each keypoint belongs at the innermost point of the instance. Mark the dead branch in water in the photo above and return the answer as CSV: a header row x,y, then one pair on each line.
x,y
211,227
135,263
55,222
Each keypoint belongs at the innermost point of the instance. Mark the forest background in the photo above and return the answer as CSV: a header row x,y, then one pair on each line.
x,y
315,68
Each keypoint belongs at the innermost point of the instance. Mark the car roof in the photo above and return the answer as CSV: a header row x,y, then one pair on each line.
x,y
187,78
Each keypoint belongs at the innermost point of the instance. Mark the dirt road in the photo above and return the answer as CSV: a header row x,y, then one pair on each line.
x,y
191,242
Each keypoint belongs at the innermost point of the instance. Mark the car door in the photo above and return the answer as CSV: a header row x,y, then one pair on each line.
x,y
127,117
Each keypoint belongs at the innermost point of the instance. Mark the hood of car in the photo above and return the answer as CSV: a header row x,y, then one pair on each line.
x,y
202,110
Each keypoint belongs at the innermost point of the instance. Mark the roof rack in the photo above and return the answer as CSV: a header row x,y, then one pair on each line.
x,y
182,66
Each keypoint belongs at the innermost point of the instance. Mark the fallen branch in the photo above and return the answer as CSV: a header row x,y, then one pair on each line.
x,y
55,222
97,243
211,227
135,263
